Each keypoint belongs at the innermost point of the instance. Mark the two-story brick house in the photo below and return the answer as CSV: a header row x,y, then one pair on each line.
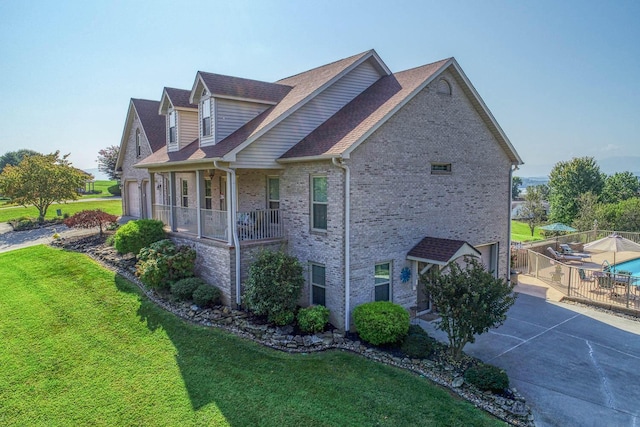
x,y
368,177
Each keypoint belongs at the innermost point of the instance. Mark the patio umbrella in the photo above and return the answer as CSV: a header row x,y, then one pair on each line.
x,y
557,226
613,243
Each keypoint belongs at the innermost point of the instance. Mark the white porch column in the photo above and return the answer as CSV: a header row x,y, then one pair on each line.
x,y
152,190
172,201
199,196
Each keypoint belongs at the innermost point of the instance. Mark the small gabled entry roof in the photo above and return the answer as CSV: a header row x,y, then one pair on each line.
x,y
433,250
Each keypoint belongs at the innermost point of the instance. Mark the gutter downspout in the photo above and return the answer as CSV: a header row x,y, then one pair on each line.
x,y
511,170
232,226
347,238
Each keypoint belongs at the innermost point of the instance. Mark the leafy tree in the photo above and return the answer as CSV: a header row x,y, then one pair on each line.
x,y
14,158
470,301
41,180
628,215
90,219
107,158
543,189
620,186
588,208
532,210
567,181
516,182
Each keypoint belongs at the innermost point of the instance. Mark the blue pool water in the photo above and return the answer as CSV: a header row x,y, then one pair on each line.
x,y
633,265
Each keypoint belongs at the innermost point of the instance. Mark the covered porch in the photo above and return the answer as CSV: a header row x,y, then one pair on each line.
x,y
221,204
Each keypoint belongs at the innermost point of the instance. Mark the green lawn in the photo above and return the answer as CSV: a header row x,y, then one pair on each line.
x,y
113,207
100,186
520,232
81,346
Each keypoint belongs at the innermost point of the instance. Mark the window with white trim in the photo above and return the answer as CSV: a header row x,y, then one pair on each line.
x,y
173,131
273,192
382,282
319,202
207,194
185,193
206,117
138,146
223,193
318,284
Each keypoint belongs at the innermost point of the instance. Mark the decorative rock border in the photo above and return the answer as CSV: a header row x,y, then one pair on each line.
x,y
514,410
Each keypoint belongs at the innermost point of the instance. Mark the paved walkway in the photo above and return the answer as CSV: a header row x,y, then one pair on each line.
x,y
11,240
576,366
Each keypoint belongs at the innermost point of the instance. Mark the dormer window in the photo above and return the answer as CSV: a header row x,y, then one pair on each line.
x,y
138,148
173,134
206,117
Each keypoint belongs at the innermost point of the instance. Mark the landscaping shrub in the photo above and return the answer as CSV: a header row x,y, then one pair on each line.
x,y
487,378
163,262
183,289
115,190
206,295
381,322
135,235
418,345
274,285
109,240
313,319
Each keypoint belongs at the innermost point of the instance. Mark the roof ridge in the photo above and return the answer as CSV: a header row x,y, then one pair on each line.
x,y
239,78
425,65
325,65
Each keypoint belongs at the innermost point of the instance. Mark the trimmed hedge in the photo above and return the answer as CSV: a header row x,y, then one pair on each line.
x,y
418,346
313,319
183,289
138,234
381,322
115,190
206,295
487,378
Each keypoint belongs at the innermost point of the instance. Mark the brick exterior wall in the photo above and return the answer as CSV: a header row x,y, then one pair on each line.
x,y
325,248
396,201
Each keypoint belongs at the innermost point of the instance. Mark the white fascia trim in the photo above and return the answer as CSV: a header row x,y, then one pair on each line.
x,y
308,158
194,98
179,163
239,98
486,110
232,154
129,122
164,99
346,154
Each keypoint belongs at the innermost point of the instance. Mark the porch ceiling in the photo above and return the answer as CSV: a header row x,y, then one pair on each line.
x,y
433,250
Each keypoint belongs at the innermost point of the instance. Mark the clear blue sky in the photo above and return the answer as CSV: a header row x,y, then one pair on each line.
x,y
561,77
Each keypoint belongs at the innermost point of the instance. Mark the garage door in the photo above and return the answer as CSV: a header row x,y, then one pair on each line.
x,y
133,199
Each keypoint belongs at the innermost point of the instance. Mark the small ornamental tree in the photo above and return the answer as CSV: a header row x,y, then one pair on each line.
x,y
107,159
90,219
470,301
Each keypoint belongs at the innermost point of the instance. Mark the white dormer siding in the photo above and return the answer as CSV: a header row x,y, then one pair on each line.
x,y
263,152
187,127
230,115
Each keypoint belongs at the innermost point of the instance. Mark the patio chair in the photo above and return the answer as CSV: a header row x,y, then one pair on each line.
x,y
560,257
584,277
567,250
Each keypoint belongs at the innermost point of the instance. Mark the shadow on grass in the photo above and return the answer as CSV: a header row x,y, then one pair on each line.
x,y
253,385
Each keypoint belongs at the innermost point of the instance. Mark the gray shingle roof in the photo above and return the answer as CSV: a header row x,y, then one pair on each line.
x,y
179,97
152,123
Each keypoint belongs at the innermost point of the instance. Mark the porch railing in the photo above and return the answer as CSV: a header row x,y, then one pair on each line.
x,y
186,219
260,224
214,224
162,213
252,225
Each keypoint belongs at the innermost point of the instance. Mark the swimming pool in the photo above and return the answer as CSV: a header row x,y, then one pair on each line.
x,y
633,265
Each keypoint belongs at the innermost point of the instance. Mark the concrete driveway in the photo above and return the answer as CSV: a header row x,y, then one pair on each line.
x,y
575,366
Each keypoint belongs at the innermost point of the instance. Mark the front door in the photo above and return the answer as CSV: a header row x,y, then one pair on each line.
x,y
423,303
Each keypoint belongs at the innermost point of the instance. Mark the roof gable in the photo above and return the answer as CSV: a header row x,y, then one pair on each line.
x,y
153,126
175,98
349,127
433,250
